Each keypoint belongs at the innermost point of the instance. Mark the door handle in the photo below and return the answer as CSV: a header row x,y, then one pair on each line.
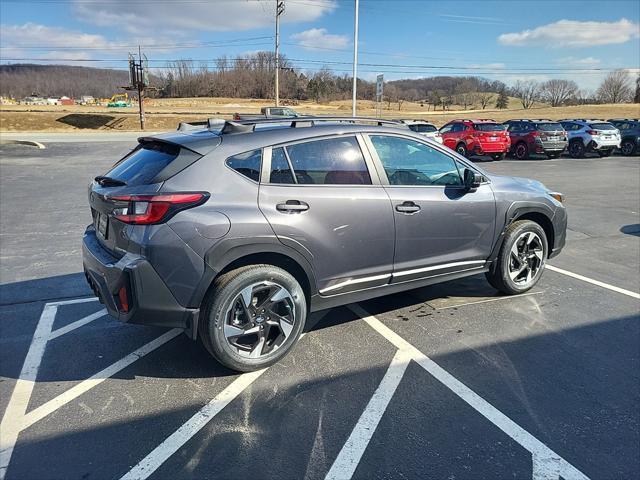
x,y
408,207
292,206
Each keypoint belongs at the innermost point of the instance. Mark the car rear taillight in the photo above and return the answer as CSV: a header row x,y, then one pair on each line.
x,y
152,209
595,133
123,299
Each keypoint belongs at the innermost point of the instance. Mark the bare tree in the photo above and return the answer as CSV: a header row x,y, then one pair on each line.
x,y
636,97
484,98
527,91
615,88
557,91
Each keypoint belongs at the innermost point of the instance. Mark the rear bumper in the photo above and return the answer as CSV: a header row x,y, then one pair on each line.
x,y
604,144
150,302
551,146
491,147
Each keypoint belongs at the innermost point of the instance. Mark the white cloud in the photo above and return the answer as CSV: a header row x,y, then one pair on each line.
x,y
580,62
319,38
182,17
571,33
31,34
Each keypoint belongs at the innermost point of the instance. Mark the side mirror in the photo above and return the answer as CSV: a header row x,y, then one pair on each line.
x,y
472,180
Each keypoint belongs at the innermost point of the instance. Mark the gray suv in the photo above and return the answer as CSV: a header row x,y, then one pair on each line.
x,y
235,233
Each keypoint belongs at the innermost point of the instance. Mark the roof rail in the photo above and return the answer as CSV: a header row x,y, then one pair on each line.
x,y
210,123
295,121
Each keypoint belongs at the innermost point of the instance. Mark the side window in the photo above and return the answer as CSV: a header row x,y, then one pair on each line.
x,y
623,126
513,127
248,164
408,162
280,170
277,112
457,127
333,161
446,129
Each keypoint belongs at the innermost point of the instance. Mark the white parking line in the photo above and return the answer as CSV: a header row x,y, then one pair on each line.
x,y
613,288
546,463
10,425
347,461
77,324
177,439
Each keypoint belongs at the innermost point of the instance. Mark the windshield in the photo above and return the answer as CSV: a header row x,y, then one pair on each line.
x,y
549,127
489,127
602,126
422,128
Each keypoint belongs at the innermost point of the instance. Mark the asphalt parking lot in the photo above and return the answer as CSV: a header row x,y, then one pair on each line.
x,y
447,382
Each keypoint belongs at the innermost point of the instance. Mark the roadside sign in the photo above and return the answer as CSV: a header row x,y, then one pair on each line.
x,y
379,85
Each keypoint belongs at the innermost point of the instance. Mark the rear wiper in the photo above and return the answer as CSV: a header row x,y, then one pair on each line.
x,y
109,181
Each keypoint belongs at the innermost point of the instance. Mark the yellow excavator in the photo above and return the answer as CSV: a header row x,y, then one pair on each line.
x,y
119,100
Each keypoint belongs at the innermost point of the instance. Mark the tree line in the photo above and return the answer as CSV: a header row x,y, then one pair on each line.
x,y
252,76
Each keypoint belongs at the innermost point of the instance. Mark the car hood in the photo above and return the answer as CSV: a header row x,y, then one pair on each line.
x,y
518,183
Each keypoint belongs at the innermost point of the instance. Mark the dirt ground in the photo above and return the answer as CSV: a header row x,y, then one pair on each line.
x,y
165,114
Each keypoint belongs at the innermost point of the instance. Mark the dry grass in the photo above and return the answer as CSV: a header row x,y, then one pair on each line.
x,y
165,114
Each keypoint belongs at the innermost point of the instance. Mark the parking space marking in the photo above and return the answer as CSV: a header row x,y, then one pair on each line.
x,y
347,461
182,435
613,288
19,400
486,300
77,324
16,418
546,464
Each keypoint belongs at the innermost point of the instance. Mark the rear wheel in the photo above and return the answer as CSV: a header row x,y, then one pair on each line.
x,y
461,148
576,149
252,317
498,156
521,260
628,147
522,151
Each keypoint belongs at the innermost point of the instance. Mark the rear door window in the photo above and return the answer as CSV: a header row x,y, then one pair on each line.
x,y
331,161
247,164
144,163
280,169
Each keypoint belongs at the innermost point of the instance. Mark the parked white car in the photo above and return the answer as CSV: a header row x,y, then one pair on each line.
x,y
591,136
425,129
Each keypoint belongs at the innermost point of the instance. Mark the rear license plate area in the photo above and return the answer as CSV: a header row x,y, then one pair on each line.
x,y
102,224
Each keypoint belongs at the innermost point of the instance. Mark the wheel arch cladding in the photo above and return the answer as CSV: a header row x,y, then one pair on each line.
x,y
541,219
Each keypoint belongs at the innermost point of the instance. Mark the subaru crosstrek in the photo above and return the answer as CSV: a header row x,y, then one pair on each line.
x,y
476,137
235,234
528,137
595,136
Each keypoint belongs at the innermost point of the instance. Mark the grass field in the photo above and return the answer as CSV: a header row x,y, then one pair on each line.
x,y
165,114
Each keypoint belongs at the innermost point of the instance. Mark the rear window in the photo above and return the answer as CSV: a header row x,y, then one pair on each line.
x,y
422,128
144,163
602,126
489,127
549,127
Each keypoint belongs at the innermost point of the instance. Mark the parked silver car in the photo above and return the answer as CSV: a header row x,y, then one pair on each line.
x,y
591,136
425,129
236,233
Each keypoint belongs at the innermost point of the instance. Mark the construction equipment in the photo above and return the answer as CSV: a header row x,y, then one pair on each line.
x,y
119,100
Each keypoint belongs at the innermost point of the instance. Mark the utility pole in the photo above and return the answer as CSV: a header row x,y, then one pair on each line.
x,y
355,61
279,11
139,80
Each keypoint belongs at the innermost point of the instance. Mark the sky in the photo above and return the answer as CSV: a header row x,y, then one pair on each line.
x,y
508,40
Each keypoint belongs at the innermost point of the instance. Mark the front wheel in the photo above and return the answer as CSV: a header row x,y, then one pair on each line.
x,y
498,156
252,317
521,260
576,149
461,148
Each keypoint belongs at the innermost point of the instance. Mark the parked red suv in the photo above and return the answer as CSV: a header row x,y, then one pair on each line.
x,y
477,137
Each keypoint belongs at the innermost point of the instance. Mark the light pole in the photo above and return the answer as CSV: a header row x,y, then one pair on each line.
x,y
355,61
279,11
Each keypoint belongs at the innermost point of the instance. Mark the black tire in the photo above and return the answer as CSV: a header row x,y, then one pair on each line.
x,y
224,295
522,151
553,155
604,153
500,274
498,156
461,148
576,149
628,147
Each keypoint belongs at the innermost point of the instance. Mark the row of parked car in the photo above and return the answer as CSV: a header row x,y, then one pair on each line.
x,y
525,137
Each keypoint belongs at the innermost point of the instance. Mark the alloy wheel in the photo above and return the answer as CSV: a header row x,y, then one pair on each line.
x,y
526,259
627,148
521,151
259,319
